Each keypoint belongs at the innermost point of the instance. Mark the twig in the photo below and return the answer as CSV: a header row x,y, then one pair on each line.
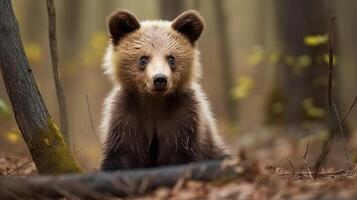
x,y
91,121
331,47
75,150
328,143
305,160
306,150
341,172
292,166
56,70
19,167
342,133
347,114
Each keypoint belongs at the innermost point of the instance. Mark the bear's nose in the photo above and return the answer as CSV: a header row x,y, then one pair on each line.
x,y
160,81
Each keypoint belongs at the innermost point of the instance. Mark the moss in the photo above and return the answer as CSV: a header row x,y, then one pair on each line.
x,y
50,153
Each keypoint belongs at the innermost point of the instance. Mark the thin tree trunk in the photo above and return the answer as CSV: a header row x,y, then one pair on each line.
x,y
61,98
171,8
71,29
225,54
44,140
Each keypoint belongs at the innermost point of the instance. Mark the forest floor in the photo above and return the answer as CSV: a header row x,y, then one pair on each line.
x,y
281,171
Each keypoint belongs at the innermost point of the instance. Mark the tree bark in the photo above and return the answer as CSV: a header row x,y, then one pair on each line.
x,y
44,140
120,183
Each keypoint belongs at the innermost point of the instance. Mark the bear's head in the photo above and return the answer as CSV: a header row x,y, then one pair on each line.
x,y
153,57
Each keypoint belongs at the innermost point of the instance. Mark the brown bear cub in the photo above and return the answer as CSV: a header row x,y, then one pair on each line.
x,y
157,113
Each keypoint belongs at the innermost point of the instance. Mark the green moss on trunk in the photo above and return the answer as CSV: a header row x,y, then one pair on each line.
x,y
50,153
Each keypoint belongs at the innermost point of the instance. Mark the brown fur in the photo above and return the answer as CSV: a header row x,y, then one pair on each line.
x,y
147,129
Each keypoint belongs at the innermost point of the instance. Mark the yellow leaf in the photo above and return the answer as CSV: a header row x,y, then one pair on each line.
x,y
243,88
33,52
315,40
257,56
311,110
4,109
12,137
326,58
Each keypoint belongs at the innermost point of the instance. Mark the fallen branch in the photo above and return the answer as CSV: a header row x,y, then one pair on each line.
x,y
120,183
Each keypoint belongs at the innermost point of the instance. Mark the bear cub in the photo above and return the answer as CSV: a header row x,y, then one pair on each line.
x,y
156,113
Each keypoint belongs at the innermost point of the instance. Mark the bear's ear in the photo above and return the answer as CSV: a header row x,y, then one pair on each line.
x,y
121,23
190,24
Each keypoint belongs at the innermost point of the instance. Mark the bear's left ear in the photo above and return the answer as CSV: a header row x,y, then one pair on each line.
x,y
121,23
190,24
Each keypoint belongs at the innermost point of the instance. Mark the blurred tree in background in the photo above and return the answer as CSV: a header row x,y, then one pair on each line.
x,y
300,90
170,9
226,61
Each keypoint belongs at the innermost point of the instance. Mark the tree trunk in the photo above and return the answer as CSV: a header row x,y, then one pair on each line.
x,y
171,8
44,140
300,90
225,55
71,25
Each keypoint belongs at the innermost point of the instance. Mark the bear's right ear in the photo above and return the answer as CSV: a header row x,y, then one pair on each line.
x,y
121,23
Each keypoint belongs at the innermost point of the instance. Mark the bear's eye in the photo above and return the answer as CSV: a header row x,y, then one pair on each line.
x,y
143,61
171,60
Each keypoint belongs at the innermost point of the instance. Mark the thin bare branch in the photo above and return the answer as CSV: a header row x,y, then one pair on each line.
x,y
328,143
91,121
331,48
292,166
347,114
342,132
19,167
306,150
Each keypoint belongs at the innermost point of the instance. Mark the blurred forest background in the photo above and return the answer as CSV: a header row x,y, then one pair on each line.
x,y
265,68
